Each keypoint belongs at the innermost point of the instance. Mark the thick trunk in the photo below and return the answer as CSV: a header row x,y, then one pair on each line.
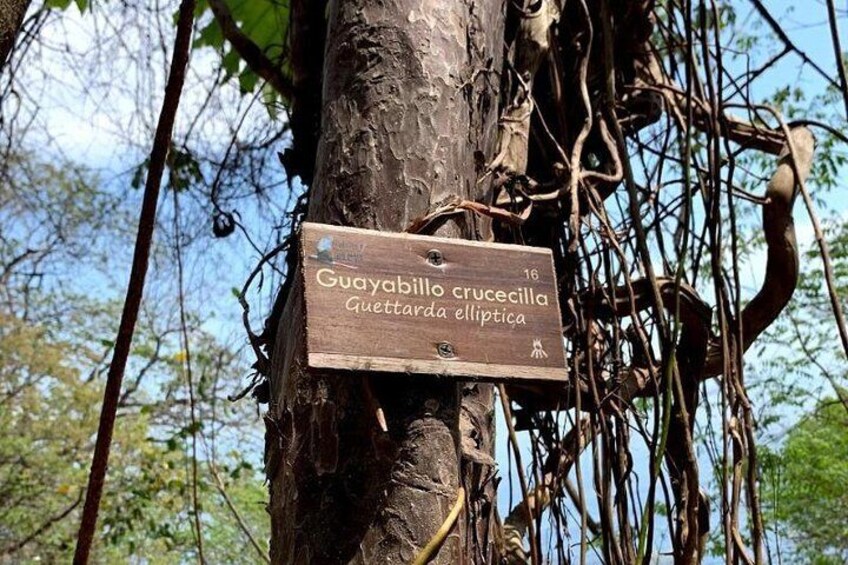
x,y
410,96
11,16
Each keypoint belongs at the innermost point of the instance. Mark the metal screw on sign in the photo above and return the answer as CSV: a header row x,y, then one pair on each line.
x,y
435,257
445,350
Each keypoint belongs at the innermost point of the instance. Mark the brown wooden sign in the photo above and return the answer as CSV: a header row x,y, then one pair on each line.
x,y
406,303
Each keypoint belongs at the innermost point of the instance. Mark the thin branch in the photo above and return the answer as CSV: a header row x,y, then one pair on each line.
x,y
195,499
527,498
10,24
824,248
18,545
219,484
839,391
782,256
135,286
837,52
778,30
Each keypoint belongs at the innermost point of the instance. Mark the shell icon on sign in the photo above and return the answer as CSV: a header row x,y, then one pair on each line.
x,y
538,352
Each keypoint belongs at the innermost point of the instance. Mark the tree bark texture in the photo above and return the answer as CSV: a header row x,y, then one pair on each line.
x,y
11,16
409,113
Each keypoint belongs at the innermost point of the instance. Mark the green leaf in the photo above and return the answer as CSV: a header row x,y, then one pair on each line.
x,y
57,4
210,36
265,23
271,98
247,81
139,174
232,63
183,169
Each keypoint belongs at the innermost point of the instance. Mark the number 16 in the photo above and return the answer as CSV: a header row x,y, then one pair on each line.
x,y
532,274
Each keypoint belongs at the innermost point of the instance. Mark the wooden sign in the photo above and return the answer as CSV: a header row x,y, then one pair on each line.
x,y
381,301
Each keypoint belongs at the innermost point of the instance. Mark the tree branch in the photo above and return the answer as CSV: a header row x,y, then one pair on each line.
x,y
219,484
782,263
135,286
778,30
258,62
16,546
11,17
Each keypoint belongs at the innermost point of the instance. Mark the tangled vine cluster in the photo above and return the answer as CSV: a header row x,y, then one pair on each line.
x,y
620,135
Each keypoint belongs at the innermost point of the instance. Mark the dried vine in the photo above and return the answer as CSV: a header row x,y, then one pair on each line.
x,y
614,54
584,84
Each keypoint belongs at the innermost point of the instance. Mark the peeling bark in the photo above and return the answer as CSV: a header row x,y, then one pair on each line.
x,y
409,105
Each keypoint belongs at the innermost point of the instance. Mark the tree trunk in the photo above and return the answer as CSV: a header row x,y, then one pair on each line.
x,y
11,16
410,101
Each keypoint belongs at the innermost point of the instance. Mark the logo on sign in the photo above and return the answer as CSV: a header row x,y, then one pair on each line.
x,y
324,249
538,351
338,252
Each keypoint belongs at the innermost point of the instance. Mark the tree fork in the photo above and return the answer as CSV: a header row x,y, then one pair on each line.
x,y
410,101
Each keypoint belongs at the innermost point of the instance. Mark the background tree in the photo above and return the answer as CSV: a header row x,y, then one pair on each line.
x,y
801,487
53,350
65,225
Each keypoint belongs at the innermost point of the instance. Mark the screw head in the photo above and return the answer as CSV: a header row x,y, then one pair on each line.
x,y
435,257
445,350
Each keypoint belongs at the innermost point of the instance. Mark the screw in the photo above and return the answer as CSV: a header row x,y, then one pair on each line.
x,y
445,350
435,257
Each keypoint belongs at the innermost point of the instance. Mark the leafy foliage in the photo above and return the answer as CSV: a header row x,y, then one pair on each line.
x,y
804,487
54,342
265,22
49,410
82,5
